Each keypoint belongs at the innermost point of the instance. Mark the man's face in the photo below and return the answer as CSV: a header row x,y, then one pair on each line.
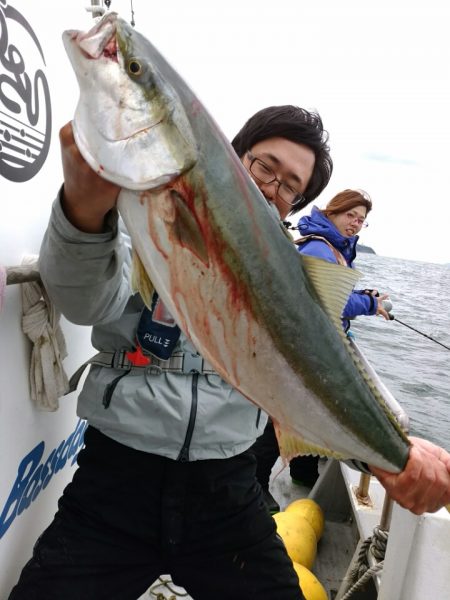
x,y
291,164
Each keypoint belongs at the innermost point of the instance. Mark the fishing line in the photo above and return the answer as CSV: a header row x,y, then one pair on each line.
x,y
392,318
98,11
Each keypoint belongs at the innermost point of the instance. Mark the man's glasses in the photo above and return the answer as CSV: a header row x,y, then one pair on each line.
x,y
264,174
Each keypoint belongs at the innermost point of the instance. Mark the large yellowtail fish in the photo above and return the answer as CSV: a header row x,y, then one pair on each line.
x,y
267,318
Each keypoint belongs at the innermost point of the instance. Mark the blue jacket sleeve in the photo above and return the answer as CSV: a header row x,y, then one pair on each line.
x,y
358,303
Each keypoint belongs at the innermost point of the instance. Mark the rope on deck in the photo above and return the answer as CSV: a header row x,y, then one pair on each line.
x,y
375,570
362,573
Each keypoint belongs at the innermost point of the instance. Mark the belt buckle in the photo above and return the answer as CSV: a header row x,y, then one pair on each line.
x,y
118,359
192,363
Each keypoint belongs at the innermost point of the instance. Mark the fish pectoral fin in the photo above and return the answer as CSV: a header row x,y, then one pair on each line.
x,y
332,283
140,281
291,445
187,229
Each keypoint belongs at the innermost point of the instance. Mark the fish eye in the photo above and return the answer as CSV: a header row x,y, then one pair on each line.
x,y
134,67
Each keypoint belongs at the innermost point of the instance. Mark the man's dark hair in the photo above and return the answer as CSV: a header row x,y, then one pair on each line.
x,y
297,125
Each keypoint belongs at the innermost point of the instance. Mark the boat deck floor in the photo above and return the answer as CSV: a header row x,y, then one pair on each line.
x,y
335,548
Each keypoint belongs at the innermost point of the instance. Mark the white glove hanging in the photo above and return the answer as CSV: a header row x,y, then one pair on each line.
x,y
40,322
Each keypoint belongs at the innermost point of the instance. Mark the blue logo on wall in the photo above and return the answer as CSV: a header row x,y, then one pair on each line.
x,y
25,110
34,475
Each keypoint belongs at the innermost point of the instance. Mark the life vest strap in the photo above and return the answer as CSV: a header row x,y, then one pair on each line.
x,y
340,258
182,363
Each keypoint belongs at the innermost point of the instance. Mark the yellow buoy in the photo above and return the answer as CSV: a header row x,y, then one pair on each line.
x,y
311,587
308,508
298,537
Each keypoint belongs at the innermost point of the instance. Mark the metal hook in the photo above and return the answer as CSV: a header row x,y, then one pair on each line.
x,y
96,9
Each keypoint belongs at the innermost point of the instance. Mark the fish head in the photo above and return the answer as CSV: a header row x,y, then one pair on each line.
x,y
129,124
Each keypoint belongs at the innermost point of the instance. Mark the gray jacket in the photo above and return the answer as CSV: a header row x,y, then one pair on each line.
x,y
186,416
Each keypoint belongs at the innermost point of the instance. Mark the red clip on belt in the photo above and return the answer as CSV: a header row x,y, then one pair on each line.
x,y
137,358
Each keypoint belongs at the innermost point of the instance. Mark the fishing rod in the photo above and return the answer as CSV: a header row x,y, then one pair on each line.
x,y
387,305
393,318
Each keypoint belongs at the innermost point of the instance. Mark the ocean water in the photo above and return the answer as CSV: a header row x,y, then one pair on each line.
x,y
415,369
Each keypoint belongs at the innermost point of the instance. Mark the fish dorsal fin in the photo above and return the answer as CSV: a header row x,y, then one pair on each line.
x,y
332,283
140,281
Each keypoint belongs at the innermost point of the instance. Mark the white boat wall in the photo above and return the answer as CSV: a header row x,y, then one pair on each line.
x,y
37,448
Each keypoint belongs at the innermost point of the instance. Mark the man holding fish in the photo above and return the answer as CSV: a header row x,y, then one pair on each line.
x,y
125,478
166,483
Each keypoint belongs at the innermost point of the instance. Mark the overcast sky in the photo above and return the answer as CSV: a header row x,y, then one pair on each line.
x,y
377,72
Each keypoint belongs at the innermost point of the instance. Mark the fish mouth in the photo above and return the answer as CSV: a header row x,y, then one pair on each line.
x,y
100,41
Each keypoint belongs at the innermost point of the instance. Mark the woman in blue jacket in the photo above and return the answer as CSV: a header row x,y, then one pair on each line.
x,y
332,234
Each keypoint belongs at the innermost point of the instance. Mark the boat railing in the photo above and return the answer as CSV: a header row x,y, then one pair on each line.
x,y
365,557
362,491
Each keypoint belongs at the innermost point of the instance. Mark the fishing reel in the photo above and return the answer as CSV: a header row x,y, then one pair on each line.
x,y
387,305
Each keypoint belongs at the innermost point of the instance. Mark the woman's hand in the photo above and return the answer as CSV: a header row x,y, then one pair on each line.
x,y
424,483
380,309
87,198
